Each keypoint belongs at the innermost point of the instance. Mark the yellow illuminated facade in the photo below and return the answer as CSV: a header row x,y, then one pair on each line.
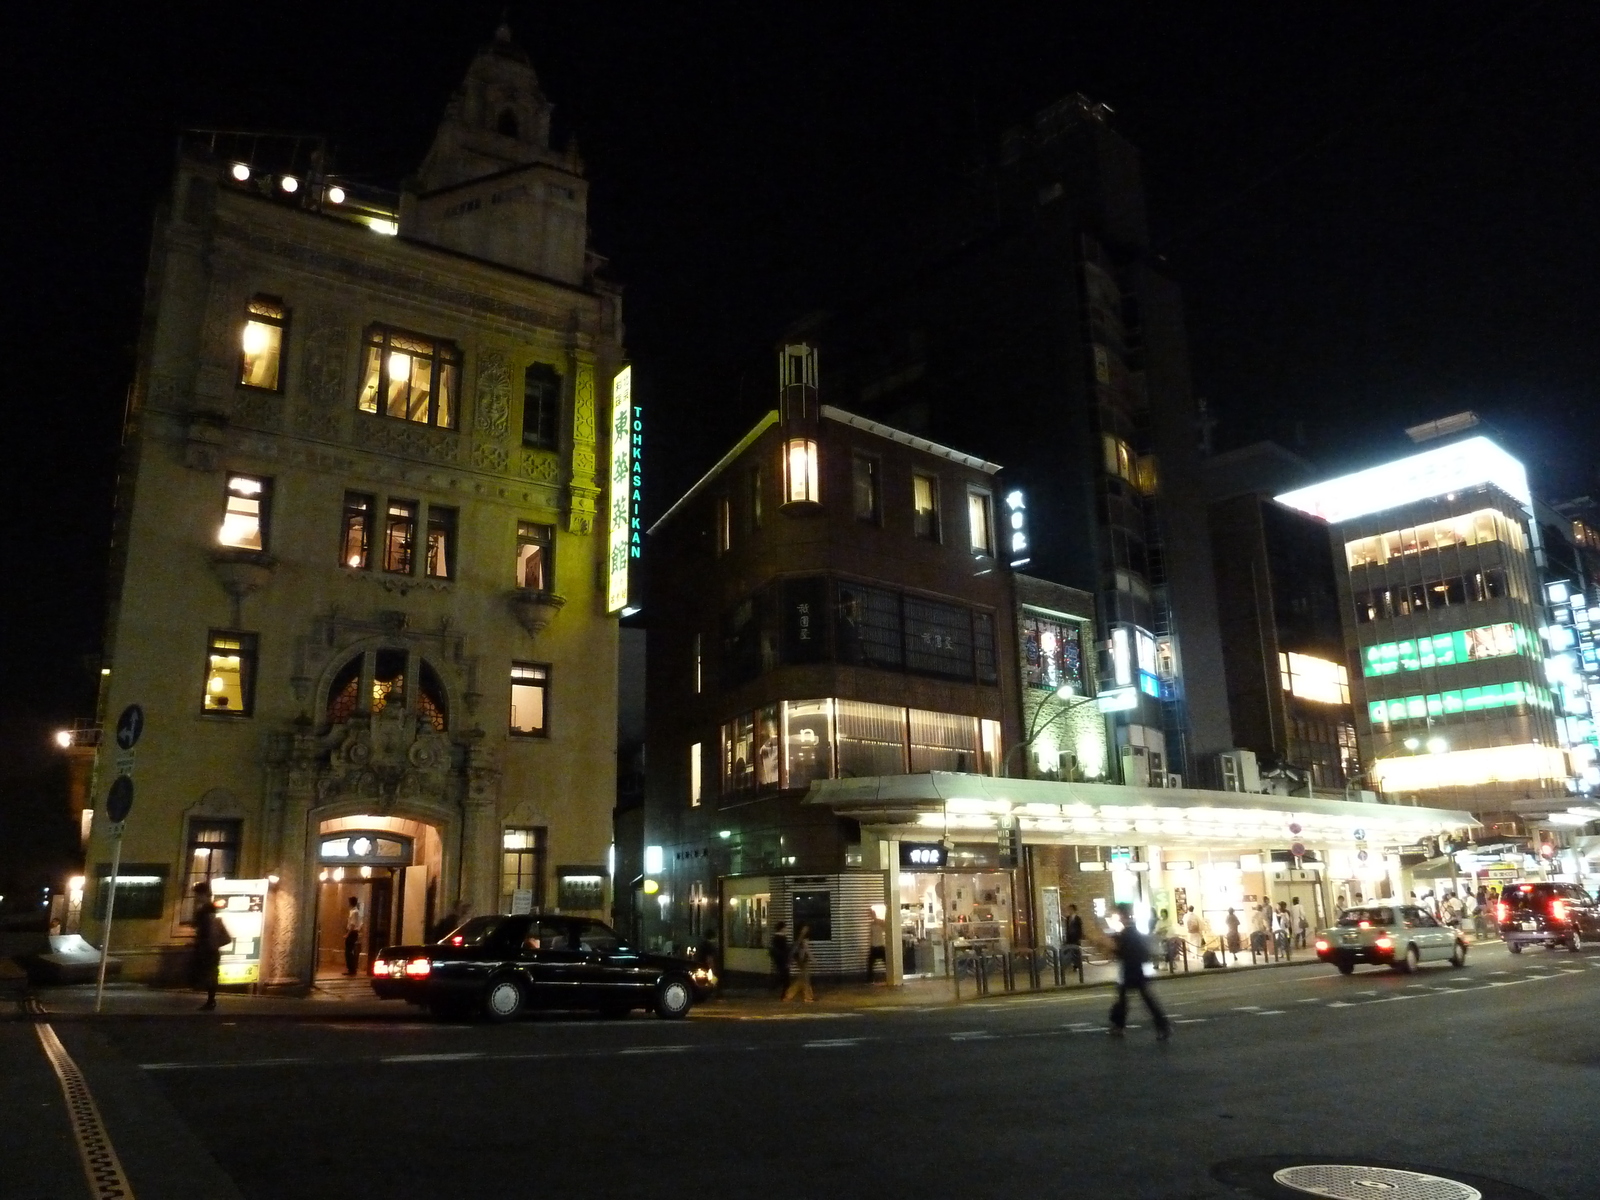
x,y
1471,768
1315,679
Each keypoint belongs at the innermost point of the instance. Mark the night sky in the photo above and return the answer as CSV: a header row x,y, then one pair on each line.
x,y
1376,218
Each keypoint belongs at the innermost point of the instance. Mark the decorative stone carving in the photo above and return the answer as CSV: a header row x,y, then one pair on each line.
x,y
324,370
494,394
261,410
204,441
241,572
581,489
407,439
541,465
535,610
488,457
386,758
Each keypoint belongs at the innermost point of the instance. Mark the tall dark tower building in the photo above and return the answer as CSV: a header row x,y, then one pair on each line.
x,y
1045,337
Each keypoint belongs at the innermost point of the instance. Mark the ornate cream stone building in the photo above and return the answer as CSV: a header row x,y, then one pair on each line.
x,y
358,583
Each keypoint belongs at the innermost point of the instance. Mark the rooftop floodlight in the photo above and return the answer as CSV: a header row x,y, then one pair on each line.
x,y
336,194
240,172
289,184
64,738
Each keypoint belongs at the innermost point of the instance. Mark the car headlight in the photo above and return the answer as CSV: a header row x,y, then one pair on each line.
x,y
705,975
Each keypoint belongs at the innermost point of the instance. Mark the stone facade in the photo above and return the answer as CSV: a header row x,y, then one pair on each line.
x,y
324,735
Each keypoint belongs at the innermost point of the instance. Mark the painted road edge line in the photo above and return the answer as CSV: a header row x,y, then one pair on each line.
x,y
101,1165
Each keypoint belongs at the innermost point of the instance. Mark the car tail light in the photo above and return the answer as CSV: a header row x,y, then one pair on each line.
x,y
1384,943
1363,924
418,967
1558,910
380,966
1502,911
1322,943
457,940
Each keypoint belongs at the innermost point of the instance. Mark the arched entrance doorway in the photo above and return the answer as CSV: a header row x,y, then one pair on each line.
x,y
391,867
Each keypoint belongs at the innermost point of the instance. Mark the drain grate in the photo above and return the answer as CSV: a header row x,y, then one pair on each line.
x,y
1339,1182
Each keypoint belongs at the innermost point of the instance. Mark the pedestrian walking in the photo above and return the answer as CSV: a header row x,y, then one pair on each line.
x,y
1166,942
1258,930
778,952
352,936
210,936
1232,924
1302,925
1072,938
1133,954
800,985
877,942
1281,937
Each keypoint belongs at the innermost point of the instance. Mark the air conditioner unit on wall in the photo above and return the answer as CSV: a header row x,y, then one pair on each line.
x,y
1135,766
1174,781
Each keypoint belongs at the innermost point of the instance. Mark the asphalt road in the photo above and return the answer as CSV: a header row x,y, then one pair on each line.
x,y
1487,1073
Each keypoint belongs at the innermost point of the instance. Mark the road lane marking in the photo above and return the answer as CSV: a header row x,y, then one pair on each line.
x,y
209,1066
418,1058
831,1043
107,1180
1271,1012
973,1035
1190,1020
1248,1008
655,1049
1310,1000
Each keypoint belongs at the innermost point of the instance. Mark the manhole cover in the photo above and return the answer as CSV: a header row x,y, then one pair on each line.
x,y
1339,1182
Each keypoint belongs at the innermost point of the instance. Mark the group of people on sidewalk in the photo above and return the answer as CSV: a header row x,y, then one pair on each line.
x,y
791,963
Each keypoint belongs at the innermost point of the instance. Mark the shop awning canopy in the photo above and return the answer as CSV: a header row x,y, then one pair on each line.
x,y
940,802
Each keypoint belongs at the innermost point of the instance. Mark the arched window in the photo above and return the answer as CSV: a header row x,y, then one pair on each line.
x,y
389,693
506,123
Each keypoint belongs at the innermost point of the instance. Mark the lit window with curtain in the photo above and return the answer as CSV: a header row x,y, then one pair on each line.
x,y
980,522
245,513
441,560
230,673
925,507
410,378
399,536
800,485
212,853
530,686
535,556
261,344
356,548
523,851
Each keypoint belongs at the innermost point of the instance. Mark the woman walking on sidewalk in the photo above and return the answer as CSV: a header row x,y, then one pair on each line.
x,y
801,984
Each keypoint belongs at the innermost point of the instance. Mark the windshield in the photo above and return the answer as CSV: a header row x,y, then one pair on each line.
x,y
474,932
1356,917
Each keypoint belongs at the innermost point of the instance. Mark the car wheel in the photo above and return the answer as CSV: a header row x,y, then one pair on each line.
x,y
1459,958
674,998
1411,961
1345,968
504,999
1575,940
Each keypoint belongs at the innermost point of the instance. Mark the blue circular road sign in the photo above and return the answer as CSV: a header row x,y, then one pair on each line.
x,y
119,800
129,726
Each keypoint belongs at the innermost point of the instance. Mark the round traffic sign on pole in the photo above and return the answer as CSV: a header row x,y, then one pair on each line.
x,y
129,726
1298,849
119,800
1362,855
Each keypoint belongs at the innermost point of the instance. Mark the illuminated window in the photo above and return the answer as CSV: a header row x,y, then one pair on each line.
x,y
925,507
522,862
388,680
230,673
399,536
1403,710
441,562
1444,649
1470,768
245,513
1409,599
261,343
357,544
694,775
530,689
980,522
541,405
1146,478
800,472
864,488
699,666
212,853
1314,679
536,545
410,378
1052,654
1470,529
1121,461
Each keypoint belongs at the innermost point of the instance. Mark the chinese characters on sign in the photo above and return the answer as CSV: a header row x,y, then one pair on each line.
x,y
624,543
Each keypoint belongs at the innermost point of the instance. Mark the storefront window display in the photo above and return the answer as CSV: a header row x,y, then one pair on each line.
x,y
967,907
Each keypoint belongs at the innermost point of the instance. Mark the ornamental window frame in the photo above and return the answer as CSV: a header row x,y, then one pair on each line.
x,y
382,348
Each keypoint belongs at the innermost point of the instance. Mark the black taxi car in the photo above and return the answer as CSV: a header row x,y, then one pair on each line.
x,y
503,966
1547,914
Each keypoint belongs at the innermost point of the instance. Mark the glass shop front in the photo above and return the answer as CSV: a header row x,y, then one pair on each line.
x,y
952,900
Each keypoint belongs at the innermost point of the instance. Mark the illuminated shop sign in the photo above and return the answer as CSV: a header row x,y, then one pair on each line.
x,y
1117,700
1453,468
1016,531
241,906
923,856
1445,649
1469,768
1466,700
624,544
1314,679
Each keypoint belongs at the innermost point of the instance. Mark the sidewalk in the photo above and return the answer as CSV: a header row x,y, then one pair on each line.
x,y
353,1001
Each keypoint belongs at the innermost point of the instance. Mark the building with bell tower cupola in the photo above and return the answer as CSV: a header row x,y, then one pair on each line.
x,y
492,186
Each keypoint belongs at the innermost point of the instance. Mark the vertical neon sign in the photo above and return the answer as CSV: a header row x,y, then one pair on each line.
x,y
622,489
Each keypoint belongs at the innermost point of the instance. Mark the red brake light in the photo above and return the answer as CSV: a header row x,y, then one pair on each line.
x,y
457,940
1558,910
1502,911
418,967
380,966
1322,943
1385,943
1526,887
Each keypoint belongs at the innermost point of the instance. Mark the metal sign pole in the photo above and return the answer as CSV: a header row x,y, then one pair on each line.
x,y
105,935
